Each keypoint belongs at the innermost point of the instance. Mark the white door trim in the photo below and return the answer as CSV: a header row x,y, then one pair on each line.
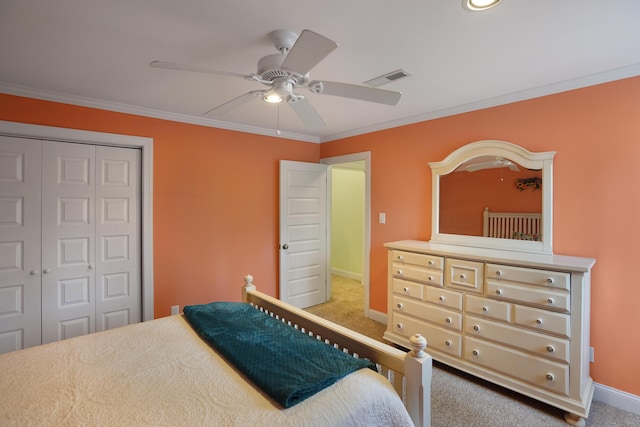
x,y
366,156
24,130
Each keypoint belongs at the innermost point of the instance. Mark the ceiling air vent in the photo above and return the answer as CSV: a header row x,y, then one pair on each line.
x,y
387,78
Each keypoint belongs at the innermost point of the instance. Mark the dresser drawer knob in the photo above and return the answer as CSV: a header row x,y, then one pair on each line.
x,y
550,300
550,377
499,292
400,258
485,309
550,280
430,278
538,321
448,320
399,326
447,343
551,349
463,276
441,298
475,352
399,272
399,305
406,290
430,262
476,328
498,273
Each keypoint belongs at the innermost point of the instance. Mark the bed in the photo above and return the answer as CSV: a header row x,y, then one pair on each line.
x,y
162,372
511,225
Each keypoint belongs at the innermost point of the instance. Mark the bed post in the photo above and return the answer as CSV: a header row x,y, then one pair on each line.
x,y
485,222
248,286
417,372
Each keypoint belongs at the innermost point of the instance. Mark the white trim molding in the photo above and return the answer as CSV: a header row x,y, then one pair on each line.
x,y
617,398
24,130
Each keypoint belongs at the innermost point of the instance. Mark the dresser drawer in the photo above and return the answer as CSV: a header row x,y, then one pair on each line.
x,y
443,297
409,289
423,260
467,275
419,274
554,279
487,307
540,372
541,297
542,345
542,320
440,339
429,312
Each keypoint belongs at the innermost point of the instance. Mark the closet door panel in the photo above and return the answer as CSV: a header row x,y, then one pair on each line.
x,y
19,243
68,240
118,281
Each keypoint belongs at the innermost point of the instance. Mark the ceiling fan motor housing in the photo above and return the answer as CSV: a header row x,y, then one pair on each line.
x,y
269,68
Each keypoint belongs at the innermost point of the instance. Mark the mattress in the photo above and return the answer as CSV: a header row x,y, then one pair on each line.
x,y
160,373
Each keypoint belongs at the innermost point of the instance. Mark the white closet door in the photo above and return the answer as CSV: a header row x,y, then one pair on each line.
x,y
68,240
118,281
19,243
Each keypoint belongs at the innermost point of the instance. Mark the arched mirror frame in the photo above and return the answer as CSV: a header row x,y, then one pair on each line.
x,y
507,150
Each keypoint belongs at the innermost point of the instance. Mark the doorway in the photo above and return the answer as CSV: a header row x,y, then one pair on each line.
x,y
349,219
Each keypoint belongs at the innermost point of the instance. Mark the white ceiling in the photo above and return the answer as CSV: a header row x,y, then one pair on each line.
x,y
97,53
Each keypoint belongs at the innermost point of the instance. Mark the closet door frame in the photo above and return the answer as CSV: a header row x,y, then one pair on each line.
x,y
24,130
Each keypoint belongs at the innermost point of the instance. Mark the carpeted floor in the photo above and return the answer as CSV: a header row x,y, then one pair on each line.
x,y
458,399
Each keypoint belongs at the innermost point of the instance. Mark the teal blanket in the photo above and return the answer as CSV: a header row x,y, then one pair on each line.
x,y
286,364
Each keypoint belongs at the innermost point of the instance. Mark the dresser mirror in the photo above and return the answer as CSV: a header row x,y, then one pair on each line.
x,y
493,194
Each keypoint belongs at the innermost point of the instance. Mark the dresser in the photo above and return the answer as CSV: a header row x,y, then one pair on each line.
x,y
517,320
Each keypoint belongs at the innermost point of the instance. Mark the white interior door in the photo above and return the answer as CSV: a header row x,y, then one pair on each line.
x,y
118,278
68,240
303,233
20,242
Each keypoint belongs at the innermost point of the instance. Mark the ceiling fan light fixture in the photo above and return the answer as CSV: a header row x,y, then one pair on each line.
x,y
479,5
272,97
280,90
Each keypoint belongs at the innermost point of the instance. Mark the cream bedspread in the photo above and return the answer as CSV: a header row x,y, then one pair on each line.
x,y
160,373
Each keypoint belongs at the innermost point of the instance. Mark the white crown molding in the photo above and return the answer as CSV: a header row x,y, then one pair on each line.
x,y
563,86
146,112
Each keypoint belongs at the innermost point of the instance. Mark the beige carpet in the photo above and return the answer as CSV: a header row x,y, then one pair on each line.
x,y
346,308
458,399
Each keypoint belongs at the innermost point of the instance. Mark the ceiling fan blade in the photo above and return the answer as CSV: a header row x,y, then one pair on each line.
x,y
199,69
480,166
363,93
235,102
307,52
306,112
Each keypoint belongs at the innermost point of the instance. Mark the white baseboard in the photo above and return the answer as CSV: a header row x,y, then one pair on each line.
x,y
347,274
378,316
617,398
605,394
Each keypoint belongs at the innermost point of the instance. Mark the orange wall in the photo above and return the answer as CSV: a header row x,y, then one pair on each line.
x,y
215,197
596,134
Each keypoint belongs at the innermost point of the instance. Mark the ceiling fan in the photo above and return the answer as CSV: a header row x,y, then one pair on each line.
x,y
287,71
487,162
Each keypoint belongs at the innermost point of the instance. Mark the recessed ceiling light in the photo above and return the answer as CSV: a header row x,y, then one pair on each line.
x,y
478,5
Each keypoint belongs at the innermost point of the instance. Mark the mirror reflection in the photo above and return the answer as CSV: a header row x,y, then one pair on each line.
x,y
497,185
498,180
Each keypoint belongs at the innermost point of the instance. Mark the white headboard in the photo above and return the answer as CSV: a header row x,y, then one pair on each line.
x,y
510,225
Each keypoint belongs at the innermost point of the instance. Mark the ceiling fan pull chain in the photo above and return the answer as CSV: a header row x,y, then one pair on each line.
x,y
278,132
